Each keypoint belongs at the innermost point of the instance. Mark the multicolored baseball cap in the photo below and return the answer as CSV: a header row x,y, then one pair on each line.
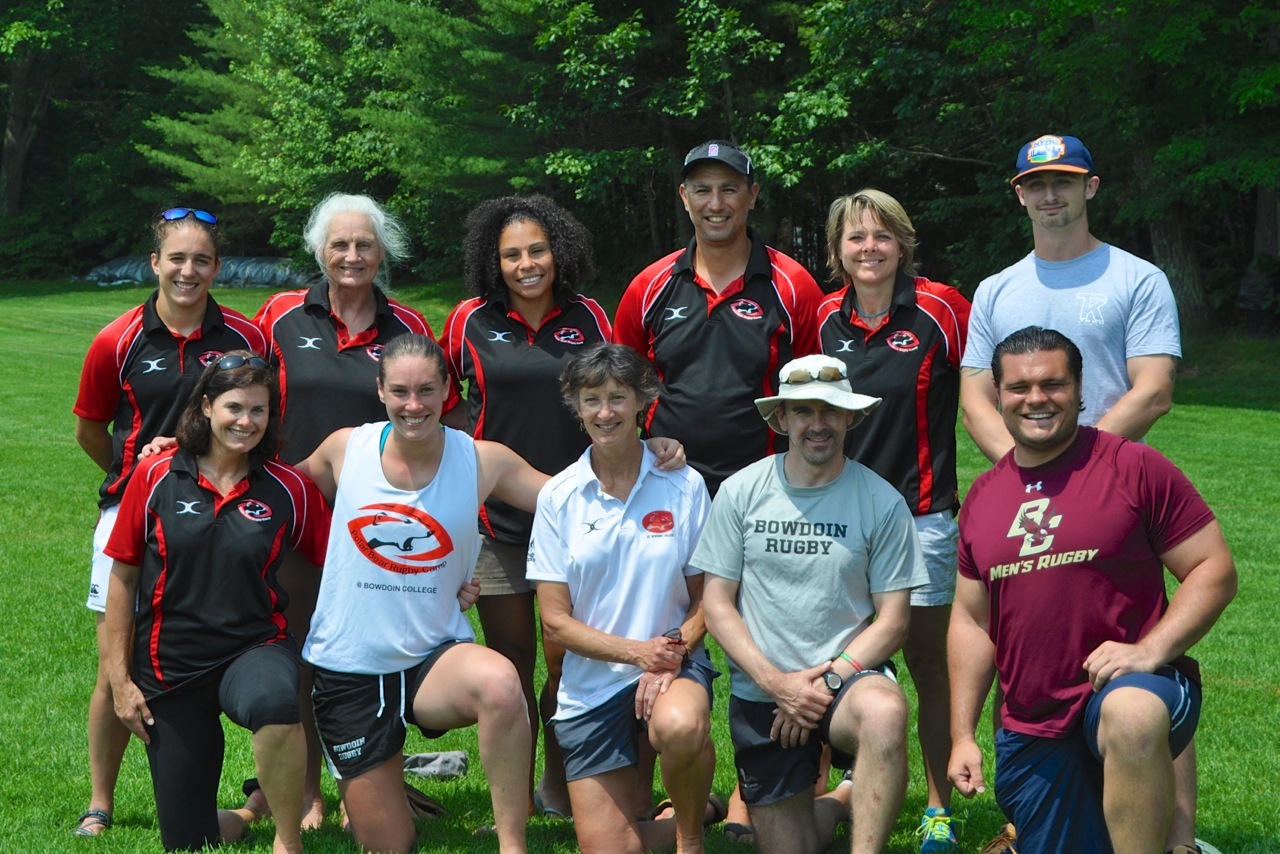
x,y
723,152
1053,153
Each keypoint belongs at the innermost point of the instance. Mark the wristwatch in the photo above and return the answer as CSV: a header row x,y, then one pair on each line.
x,y
833,681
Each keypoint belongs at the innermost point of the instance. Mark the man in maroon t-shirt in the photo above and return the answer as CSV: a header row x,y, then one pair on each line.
x,y
1061,594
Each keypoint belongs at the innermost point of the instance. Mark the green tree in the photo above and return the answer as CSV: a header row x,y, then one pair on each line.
x,y
272,118
74,187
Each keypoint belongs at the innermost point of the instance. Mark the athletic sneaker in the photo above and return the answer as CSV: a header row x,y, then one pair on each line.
x,y
936,833
1004,843
1201,847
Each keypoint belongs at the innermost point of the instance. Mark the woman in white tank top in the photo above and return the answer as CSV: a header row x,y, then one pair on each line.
x,y
398,574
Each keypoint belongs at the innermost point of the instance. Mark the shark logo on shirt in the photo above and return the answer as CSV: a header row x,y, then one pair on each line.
x,y
747,309
400,539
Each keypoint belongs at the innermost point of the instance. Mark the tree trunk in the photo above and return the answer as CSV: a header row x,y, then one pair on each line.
x,y
1175,253
1266,236
25,113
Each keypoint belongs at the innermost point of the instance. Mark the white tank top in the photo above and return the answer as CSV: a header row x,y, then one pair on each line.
x,y
396,560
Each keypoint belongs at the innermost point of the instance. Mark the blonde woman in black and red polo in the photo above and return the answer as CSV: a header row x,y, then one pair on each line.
x,y
901,337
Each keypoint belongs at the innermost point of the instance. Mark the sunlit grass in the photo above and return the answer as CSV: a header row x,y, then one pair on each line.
x,y
1224,431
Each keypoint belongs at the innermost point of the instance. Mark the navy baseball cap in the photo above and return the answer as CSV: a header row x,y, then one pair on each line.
x,y
721,152
1053,153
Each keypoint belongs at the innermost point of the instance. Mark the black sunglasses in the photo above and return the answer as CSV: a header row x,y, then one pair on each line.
x,y
230,363
174,214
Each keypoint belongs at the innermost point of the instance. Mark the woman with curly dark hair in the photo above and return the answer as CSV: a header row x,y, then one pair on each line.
x,y
525,258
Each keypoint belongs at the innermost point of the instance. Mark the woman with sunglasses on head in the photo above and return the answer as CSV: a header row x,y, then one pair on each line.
x,y
525,258
901,337
137,376
612,540
326,341
197,547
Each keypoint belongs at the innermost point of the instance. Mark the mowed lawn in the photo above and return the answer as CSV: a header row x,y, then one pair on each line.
x,y
1224,432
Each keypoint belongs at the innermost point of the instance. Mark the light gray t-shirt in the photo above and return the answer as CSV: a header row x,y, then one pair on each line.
x,y
807,559
1113,305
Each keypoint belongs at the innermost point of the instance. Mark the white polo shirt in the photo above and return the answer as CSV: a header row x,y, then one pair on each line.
x,y
625,563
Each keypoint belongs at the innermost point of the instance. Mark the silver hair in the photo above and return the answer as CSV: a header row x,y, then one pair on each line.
x,y
388,230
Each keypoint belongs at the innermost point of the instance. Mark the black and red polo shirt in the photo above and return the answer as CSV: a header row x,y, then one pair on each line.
x,y
911,359
328,373
514,392
717,353
138,375
208,589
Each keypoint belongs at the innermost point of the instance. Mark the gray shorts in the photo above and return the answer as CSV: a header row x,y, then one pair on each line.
x,y
939,536
769,773
608,737
500,568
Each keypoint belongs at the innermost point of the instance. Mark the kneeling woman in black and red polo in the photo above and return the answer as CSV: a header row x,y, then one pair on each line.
x,y
197,545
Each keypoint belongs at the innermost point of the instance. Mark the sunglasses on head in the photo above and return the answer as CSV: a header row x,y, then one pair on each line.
x,y
823,375
230,363
174,214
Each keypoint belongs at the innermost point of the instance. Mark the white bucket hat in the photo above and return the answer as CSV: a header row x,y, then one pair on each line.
x,y
814,377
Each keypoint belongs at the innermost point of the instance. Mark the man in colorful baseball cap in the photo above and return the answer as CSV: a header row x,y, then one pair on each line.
x,y
1053,154
1117,308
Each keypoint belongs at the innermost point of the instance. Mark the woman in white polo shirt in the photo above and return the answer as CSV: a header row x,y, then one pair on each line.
x,y
612,538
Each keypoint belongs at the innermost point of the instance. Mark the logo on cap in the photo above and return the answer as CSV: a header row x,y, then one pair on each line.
x,y
1046,149
713,150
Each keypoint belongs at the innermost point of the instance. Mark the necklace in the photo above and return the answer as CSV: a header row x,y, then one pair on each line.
x,y
866,315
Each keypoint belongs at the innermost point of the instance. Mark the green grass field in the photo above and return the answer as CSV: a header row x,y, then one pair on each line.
x,y
1224,432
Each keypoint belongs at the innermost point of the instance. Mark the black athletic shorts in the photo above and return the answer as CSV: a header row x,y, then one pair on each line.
x,y
363,718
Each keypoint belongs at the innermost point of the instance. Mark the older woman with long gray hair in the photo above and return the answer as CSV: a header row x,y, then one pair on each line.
x,y
326,341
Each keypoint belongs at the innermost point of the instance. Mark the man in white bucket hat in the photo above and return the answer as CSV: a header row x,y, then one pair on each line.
x,y
810,560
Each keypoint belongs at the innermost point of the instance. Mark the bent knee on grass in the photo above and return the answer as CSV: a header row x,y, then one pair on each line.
x,y
1133,722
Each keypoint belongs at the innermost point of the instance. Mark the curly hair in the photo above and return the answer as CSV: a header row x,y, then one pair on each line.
x,y
194,432
886,210
570,244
